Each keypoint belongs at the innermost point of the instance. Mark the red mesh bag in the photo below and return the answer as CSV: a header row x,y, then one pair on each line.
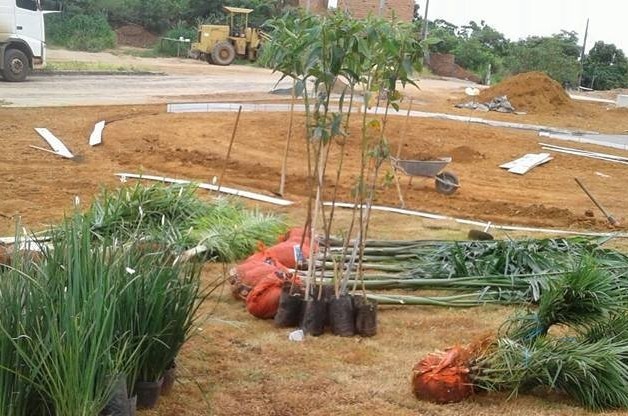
x,y
442,378
263,301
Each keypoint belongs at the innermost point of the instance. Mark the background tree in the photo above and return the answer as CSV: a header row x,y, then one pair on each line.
x,y
605,67
556,55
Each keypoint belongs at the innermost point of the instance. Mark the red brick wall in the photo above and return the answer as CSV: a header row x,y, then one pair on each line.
x,y
444,64
403,9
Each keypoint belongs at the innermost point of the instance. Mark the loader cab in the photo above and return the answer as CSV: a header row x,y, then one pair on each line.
x,y
238,20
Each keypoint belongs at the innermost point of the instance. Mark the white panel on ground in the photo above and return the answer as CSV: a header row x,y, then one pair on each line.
x,y
96,137
209,187
56,144
526,163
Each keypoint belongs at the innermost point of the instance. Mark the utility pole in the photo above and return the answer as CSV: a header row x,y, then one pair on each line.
x,y
427,7
382,3
582,52
426,52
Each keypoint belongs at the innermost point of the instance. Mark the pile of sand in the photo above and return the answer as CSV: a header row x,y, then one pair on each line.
x,y
136,36
533,92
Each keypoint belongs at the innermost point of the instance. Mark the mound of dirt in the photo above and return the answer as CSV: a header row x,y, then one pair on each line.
x,y
465,154
533,92
136,36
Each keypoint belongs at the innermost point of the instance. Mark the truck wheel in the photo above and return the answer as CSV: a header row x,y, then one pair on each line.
x,y
16,66
223,53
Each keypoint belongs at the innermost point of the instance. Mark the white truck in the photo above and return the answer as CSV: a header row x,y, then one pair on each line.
x,y
22,38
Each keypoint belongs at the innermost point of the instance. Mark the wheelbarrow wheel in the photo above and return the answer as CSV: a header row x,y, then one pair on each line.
x,y
447,183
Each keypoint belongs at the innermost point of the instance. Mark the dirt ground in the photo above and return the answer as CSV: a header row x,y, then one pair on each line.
x,y
237,365
39,186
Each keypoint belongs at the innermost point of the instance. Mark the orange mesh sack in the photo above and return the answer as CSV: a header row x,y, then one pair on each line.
x,y
245,279
284,252
263,301
442,378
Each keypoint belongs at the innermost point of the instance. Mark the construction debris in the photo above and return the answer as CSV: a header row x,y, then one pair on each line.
x,y
526,163
499,104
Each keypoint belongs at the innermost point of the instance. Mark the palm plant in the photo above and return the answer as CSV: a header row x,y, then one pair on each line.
x,y
589,362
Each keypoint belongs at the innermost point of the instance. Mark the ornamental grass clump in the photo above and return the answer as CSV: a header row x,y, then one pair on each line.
x,y
65,343
174,216
158,307
20,394
88,312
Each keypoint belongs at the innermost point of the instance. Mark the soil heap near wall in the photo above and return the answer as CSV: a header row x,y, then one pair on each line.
x,y
533,92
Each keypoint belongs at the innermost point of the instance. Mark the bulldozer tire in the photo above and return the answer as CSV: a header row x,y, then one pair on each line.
x,y
223,53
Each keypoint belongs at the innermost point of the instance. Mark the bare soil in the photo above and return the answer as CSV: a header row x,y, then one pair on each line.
x,y
39,186
135,36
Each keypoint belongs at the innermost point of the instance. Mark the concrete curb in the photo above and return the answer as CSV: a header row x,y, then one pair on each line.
x,y
94,73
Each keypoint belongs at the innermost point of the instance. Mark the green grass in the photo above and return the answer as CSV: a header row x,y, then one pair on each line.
x,y
84,66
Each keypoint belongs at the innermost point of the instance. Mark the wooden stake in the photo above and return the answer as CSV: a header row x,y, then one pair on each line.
x,y
399,147
609,217
402,139
224,168
284,162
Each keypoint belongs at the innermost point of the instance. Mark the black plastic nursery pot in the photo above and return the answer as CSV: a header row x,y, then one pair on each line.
x,y
365,316
290,309
133,406
169,377
119,403
341,316
314,316
148,393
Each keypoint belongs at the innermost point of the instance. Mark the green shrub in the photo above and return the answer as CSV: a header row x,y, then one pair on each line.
x,y
81,32
169,48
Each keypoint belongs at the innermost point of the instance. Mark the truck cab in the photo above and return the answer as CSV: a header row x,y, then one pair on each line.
x,y
22,38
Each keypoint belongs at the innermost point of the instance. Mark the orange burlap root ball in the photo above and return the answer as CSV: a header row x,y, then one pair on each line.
x,y
442,378
263,301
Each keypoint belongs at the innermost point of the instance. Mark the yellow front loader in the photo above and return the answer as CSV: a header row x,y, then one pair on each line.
x,y
220,44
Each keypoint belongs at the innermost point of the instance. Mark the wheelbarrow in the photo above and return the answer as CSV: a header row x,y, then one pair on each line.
x,y
446,183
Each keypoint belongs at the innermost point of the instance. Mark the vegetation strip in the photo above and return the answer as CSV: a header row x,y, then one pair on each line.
x,y
209,187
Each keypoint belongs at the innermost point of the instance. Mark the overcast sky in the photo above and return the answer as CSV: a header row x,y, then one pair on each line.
x,y
521,18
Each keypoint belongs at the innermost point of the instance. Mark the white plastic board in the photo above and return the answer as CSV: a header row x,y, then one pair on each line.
x,y
56,144
96,137
526,163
